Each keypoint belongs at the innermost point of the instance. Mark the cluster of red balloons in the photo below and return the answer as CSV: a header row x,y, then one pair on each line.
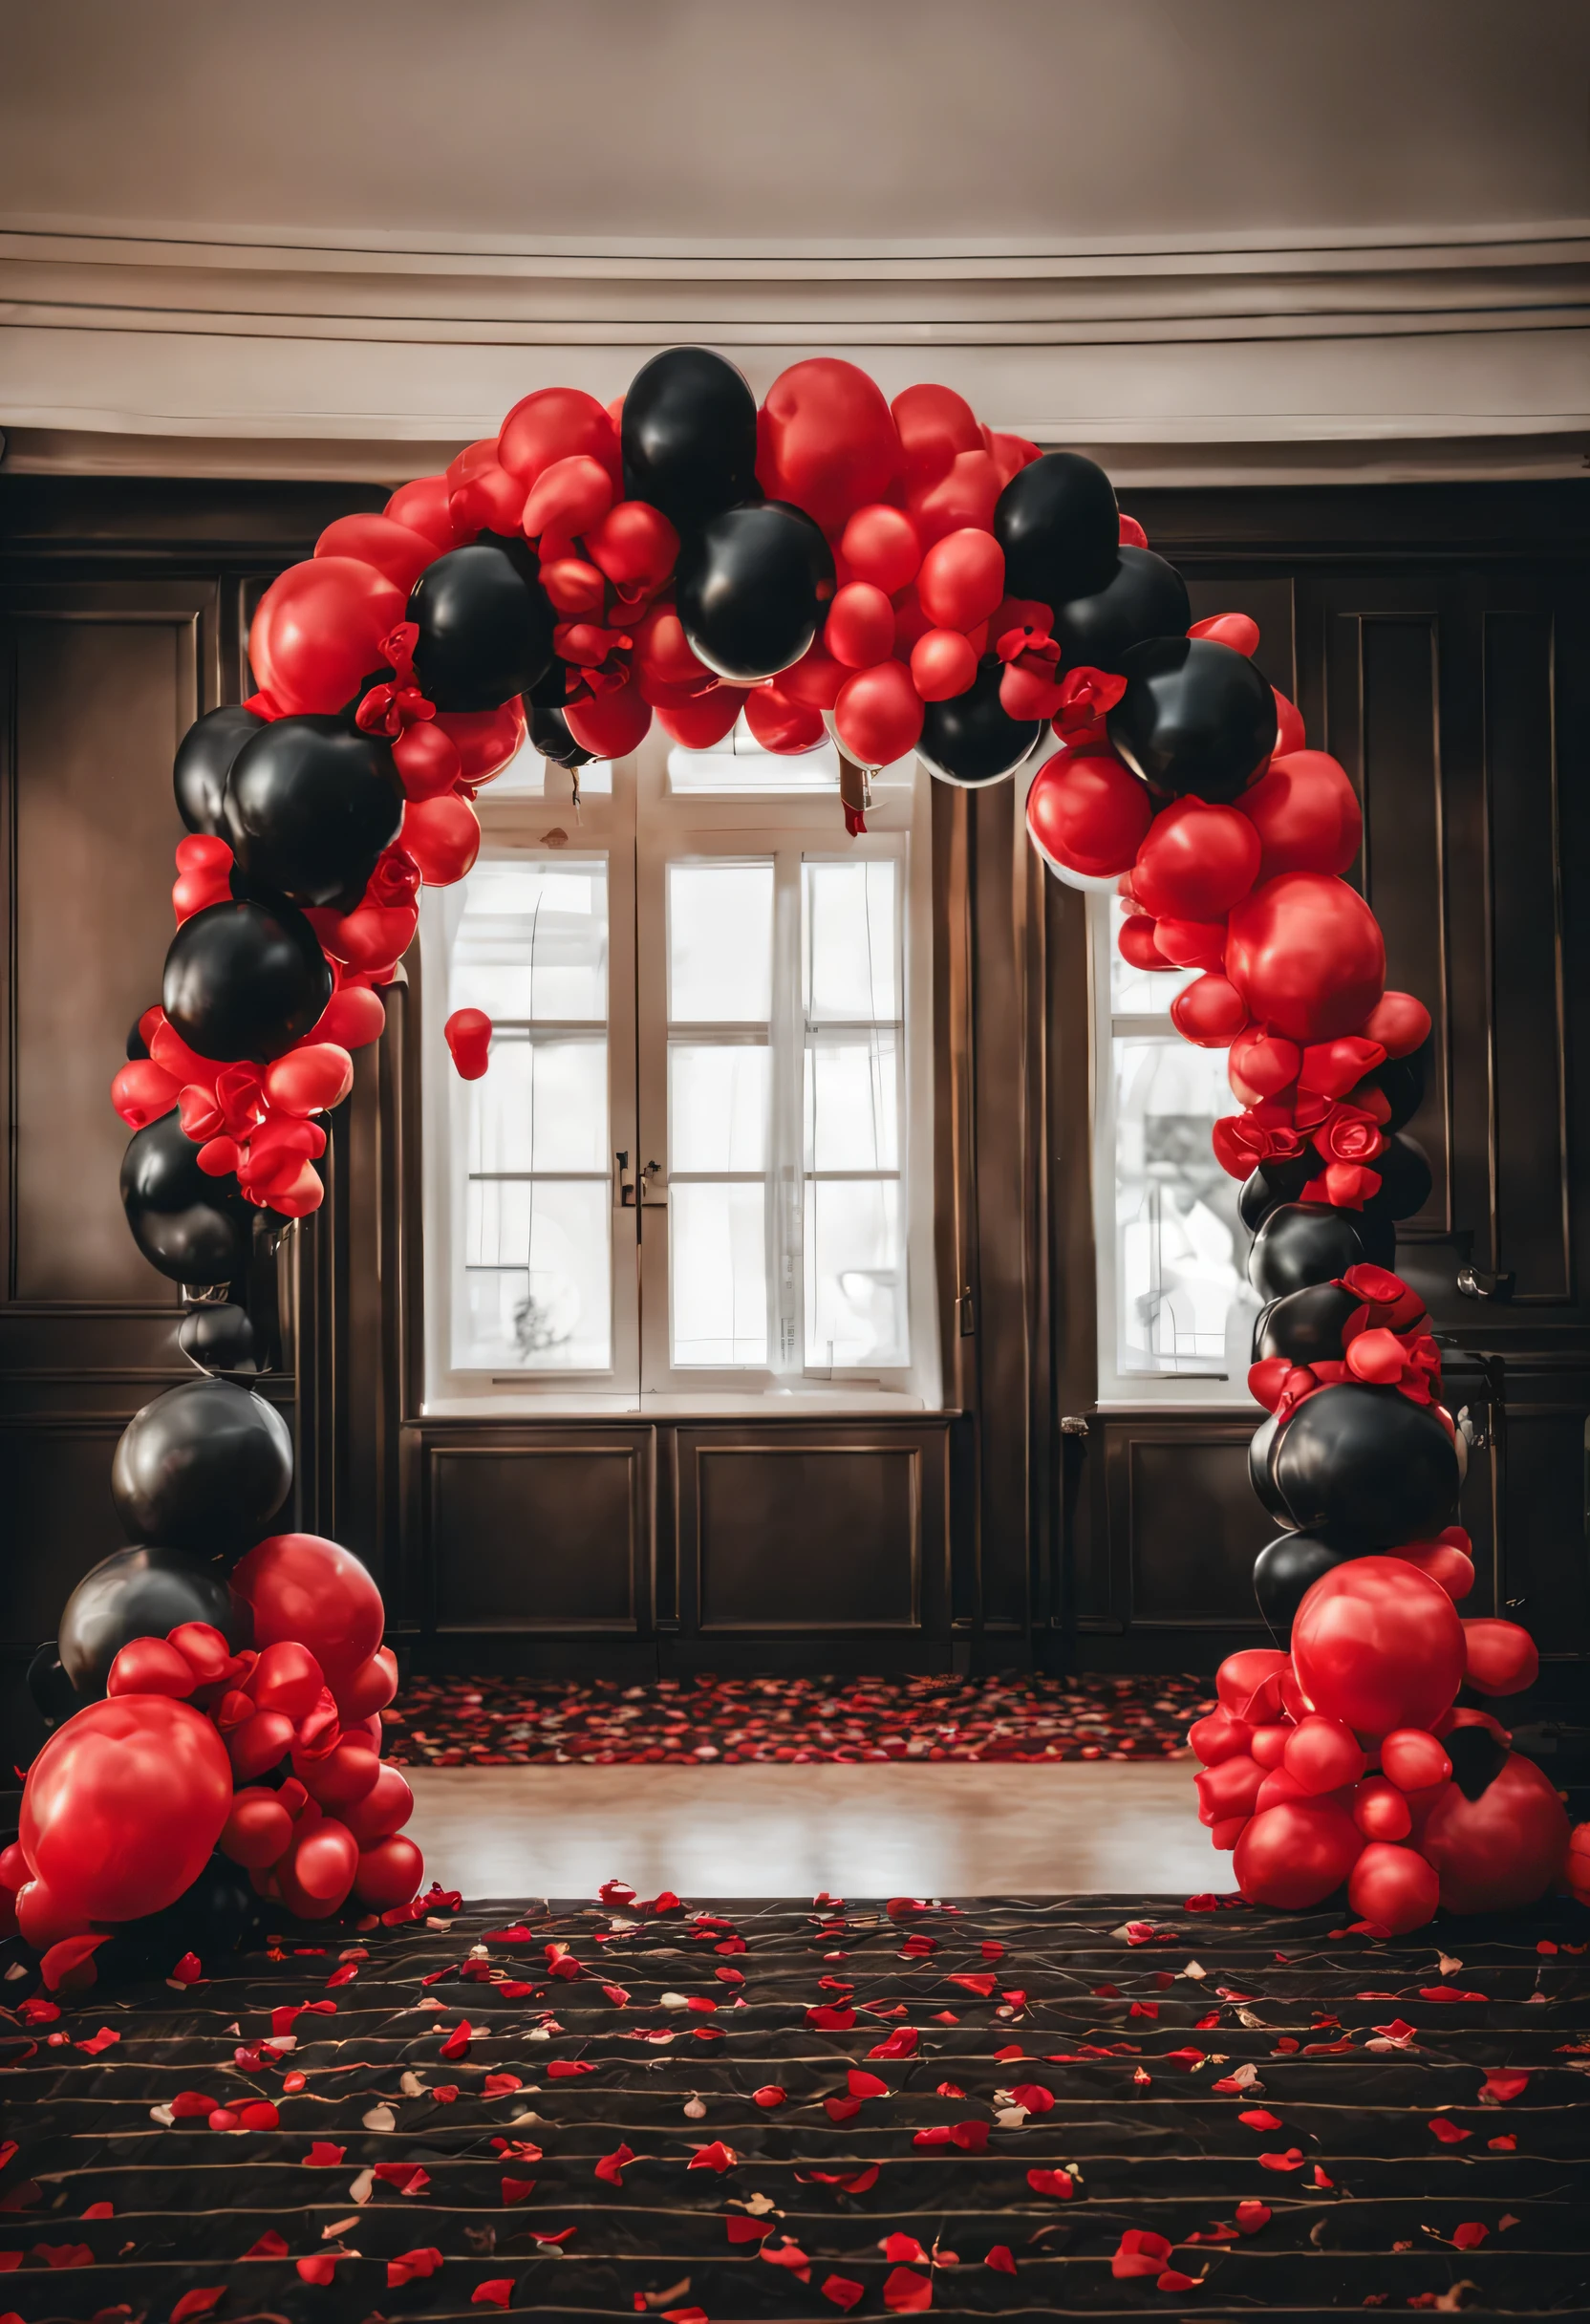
x,y
271,1755
1348,1760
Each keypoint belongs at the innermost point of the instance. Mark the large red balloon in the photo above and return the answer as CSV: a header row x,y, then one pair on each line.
x,y
1306,953
304,1588
934,424
1379,1646
1501,1850
384,1809
123,1804
1294,1855
484,739
558,424
963,579
610,725
781,724
878,715
1306,814
388,1874
1396,1887
1088,813
880,545
318,632
318,1872
1210,1013
826,440
442,836
1197,862
1502,1657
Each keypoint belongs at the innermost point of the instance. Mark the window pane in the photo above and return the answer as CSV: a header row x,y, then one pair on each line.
x,y
1143,992
718,1107
739,763
851,944
853,1101
543,1104
856,1275
537,1283
718,1244
532,942
1180,1292
721,943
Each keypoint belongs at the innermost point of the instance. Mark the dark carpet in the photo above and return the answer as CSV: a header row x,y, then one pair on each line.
x,y
1017,2107
1020,1715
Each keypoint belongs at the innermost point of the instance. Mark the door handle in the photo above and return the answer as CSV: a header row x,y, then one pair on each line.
x,y
654,1186
1475,1284
623,1185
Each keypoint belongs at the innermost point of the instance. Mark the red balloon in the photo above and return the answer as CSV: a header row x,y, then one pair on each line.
x,y
1278,1786
467,1033
318,632
339,1777
1290,735
610,725
558,424
1501,1850
663,656
1306,814
1193,943
142,1091
781,723
1306,953
1088,812
1380,1810
442,836
123,1804
1578,1866
826,440
1228,1788
286,1677
317,1873
706,718
878,715
1322,1755
1210,1013
384,1809
428,759
1269,1744
1239,630
943,665
880,545
1248,1683
389,1873
424,507
1197,862
568,497
310,1078
1137,943
1412,1758
258,1831
635,546
302,1587
353,1016
1219,1736
367,1690
966,496
485,740
1397,1887
963,579
150,1666
1399,1023
860,627
814,680
1377,1643
397,550
1443,1561
934,425
42,1919
1261,1065
1501,1658
1295,1854
254,1747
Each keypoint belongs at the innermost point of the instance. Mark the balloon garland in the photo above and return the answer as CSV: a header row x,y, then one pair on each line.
x,y
910,580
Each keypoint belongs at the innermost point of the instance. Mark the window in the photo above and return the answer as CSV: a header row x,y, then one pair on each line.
x,y
1175,1311
699,1167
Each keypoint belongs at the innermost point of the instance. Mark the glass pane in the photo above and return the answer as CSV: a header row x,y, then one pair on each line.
x,y
721,943
740,764
852,945
717,1262
532,941
543,1104
855,1273
853,1101
1182,1297
716,1107
1143,991
538,1292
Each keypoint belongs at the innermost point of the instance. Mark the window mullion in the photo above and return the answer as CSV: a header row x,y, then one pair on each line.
x,y
787,1130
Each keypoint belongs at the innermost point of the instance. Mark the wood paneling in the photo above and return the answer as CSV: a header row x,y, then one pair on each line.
x,y
54,1488
539,1535
805,1537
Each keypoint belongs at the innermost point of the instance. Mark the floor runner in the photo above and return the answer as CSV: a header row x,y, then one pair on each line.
x,y
516,1722
1015,2107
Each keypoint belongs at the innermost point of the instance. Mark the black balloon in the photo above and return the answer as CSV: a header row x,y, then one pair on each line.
x,y
1261,1447
1365,1464
1302,1243
1405,1178
209,1920
485,628
219,1338
551,689
747,590
245,979
1059,528
972,738
1306,1325
1477,1758
1286,1568
549,735
1197,719
55,1696
1145,598
143,1593
1401,1081
689,434
204,758
137,1045
309,804
1266,1188
204,1468
195,1229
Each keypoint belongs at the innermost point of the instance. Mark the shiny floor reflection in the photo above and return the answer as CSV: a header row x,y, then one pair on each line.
x,y
791,1830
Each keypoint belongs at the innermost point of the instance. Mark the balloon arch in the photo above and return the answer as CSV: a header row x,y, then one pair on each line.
x,y
911,580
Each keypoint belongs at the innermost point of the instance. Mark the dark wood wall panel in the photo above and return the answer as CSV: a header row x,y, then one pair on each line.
x,y
59,1520
805,1537
539,1537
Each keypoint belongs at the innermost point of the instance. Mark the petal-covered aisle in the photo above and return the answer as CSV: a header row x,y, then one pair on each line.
x,y
1015,2107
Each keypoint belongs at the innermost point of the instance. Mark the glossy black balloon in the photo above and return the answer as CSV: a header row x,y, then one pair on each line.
x,y
55,1696
1271,1184
1366,1463
245,979
972,738
1197,717
1059,525
549,735
1302,1243
1145,598
1406,1179
219,1338
204,1468
1288,1567
143,1593
309,804
1401,1081
205,758
137,1045
1261,1446
551,689
209,1920
1305,1326
689,436
195,1229
746,589
485,628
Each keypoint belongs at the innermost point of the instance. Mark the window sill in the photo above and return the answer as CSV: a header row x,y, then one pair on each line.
x,y
794,1404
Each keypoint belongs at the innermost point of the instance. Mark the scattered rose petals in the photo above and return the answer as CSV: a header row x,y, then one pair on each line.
x,y
1051,2183
843,2290
495,2292
999,2258
1140,2252
1449,2132
1291,2160
198,2303
1504,2082
1259,2117
905,2291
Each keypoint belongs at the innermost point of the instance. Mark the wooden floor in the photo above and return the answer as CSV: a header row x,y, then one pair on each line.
x,y
792,1831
